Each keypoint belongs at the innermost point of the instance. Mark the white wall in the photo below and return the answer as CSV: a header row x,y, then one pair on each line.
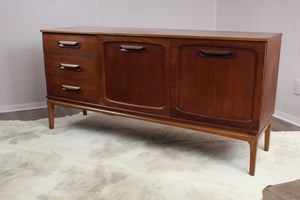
x,y
22,81
271,16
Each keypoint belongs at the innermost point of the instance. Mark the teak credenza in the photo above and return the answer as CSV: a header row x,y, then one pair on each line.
x,y
217,82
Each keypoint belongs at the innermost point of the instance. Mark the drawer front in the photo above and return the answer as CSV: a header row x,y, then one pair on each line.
x,y
71,89
72,67
70,45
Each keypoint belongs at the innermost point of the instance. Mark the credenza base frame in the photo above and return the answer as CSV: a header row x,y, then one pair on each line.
x,y
252,139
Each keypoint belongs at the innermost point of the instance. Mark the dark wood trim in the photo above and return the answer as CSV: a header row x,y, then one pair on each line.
x,y
166,33
218,131
267,138
50,107
151,115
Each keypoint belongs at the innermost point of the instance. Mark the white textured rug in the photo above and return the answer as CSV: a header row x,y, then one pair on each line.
x,y
99,157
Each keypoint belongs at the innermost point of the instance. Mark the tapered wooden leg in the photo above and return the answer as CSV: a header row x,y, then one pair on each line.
x,y
253,150
50,114
84,112
267,138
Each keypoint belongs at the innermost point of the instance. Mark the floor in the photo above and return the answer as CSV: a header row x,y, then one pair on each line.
x,y
94,157
277,124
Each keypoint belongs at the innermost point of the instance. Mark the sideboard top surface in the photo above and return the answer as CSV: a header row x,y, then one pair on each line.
x,y
169,33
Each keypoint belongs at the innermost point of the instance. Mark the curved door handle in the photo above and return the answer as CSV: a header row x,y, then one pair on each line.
x,y
215,53
70,88
72,67
68,44
132,48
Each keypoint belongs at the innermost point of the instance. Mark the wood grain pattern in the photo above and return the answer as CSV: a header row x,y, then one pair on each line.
x,y
253,151
88,67
166,33
270,80
214,89
88,45
216,86
88,92
136,79
152,115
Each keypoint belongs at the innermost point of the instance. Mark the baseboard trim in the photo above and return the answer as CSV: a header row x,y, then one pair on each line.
x,y
287,117
25,106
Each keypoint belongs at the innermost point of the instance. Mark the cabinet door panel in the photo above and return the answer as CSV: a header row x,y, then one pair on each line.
x,y
216,84
137,74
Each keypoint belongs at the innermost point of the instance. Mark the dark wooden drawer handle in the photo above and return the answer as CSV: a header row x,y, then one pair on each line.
x,y
72,67
132,48
215,53
70,88
68,44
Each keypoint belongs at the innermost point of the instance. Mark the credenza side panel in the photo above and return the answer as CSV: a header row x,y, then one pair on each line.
x,y
136,73
270,80
217,82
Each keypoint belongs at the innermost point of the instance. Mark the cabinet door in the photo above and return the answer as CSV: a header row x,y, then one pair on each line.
x,y
136,74
218,82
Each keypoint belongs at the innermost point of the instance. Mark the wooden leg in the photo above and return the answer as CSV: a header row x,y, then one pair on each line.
x,y
267,138
253,150
50,114
84,112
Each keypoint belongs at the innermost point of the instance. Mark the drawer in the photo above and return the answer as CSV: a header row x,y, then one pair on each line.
x,y
71,89
71,45
72,67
